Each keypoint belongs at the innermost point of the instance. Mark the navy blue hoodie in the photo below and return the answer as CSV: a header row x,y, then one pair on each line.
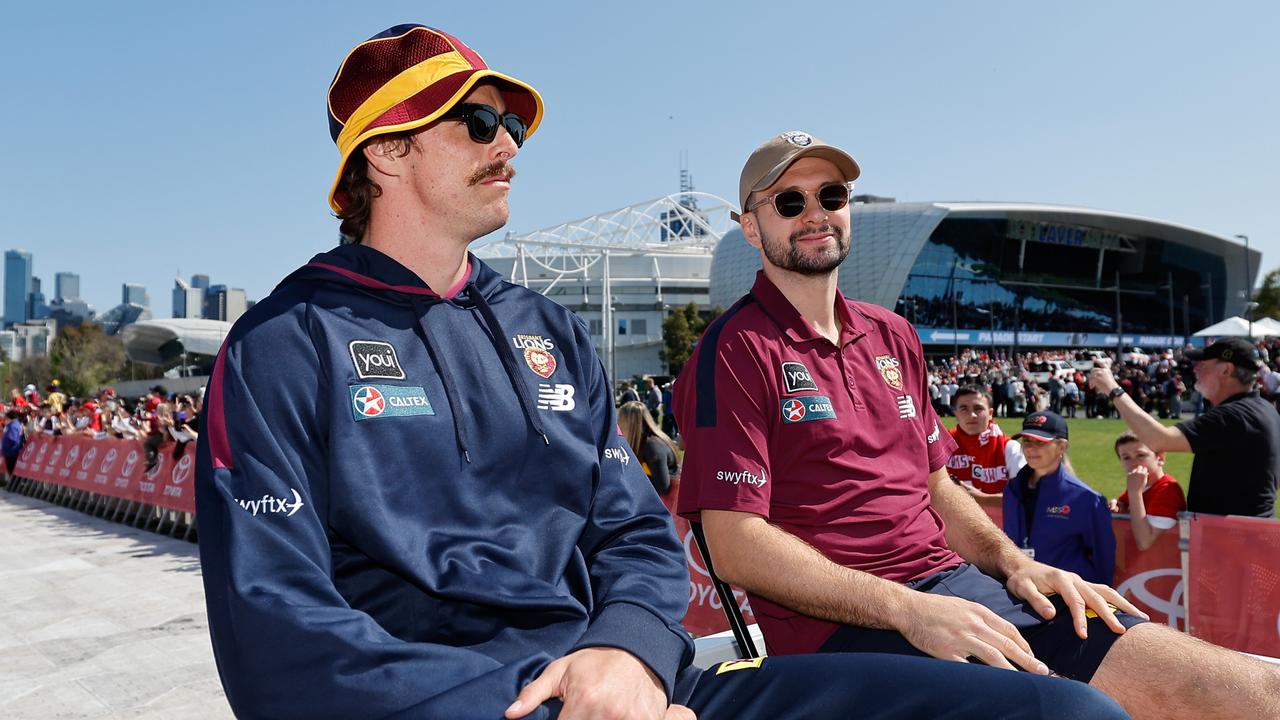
x,y
1070,523
410,504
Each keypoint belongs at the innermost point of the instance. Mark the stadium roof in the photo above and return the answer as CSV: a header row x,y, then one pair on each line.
x,y
159,341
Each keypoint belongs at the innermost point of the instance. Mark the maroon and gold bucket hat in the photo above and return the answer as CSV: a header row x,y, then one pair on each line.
x,y
404,78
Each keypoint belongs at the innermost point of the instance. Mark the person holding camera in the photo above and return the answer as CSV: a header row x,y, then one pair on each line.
x,y
1241,431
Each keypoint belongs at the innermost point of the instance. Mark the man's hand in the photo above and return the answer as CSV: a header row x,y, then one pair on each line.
x,y
1034,581
950,628
599,683
1136,481
1100,377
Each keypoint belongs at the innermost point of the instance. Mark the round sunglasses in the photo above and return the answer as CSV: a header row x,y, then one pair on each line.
x,y
790,203
483,121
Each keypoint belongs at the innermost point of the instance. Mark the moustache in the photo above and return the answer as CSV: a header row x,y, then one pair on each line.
x,y
498,168
837,232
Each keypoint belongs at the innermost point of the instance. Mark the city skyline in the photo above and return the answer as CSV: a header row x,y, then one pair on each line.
x,y
1156,109
215,301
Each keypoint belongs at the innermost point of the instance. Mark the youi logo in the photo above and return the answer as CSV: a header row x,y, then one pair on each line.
x,y
375,359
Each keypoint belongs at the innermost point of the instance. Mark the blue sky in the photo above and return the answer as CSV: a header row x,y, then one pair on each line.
x,y
143,139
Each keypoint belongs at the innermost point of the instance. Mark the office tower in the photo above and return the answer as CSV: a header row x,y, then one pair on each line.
x,y
17,285
188,300
37,308
132,294
66,286
223,303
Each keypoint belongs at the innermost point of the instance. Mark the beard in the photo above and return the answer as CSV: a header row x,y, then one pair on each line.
x,y
787,255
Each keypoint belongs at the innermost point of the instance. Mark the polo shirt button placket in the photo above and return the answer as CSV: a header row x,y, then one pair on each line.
x,y
847,363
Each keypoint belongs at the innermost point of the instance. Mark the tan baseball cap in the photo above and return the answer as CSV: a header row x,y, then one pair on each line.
x,y
771,159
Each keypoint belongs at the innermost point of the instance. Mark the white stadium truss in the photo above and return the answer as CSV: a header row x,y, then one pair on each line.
x,y
686,223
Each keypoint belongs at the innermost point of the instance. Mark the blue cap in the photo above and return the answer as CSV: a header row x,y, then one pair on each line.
x,y
1043,426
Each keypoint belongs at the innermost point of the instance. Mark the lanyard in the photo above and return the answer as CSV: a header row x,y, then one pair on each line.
x,y
1029,497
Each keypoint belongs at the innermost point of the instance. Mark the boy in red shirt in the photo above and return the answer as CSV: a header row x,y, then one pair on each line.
x,y
1153,499
986,458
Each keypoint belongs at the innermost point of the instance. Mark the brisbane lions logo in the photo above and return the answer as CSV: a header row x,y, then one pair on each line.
x,y
890,370
541,362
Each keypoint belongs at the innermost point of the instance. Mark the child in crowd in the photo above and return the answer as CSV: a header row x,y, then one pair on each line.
x,y
1153,499
986,458
1050,513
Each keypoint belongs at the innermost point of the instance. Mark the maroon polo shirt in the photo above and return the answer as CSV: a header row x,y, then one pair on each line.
x,y
833,444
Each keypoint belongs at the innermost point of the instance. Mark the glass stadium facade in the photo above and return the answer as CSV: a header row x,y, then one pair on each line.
x,y
1027,275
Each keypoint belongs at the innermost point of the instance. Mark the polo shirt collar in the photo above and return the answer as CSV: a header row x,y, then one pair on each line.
x,y
853,325
1240,396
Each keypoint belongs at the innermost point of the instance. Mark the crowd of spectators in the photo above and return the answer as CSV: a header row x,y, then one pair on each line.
x,y
1040,386
157,419
1161,383
1057,380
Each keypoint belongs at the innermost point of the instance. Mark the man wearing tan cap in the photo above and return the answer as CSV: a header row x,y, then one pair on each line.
x,y
414,501
817,466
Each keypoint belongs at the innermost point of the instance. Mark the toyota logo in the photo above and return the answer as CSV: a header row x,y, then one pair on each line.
x,y
182,471
106,461
129,462
88,458
1136,588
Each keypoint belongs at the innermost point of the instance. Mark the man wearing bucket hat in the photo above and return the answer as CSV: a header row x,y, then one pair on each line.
x,y
413,497
1236,443
817,467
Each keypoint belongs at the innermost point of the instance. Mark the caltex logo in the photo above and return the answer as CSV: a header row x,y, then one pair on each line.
x,y
794,410
369,402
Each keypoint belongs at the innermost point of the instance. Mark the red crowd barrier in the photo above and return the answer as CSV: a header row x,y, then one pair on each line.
x,y
1150,579
706,613
1233,593
1234,587
115,468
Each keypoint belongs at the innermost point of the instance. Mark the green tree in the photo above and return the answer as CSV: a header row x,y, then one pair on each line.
x,y
1268,296
84,358
31,371
680,330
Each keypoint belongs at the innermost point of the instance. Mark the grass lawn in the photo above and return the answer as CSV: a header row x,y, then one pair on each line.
x,y
1092,454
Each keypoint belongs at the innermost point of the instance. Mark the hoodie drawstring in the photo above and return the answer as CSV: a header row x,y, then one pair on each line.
x,y
508,360
446,379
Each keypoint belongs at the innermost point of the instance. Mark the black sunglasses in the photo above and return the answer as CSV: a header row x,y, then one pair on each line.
x,y
483,121
790,203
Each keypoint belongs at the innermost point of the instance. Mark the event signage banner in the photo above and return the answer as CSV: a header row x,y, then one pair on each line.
x,y
976,337
706,613
111,467
1234,587
1150,579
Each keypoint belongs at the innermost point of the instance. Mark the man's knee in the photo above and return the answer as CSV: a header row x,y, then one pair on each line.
x,y
1153,663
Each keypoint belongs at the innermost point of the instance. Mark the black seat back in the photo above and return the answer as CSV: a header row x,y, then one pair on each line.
x,y
737,623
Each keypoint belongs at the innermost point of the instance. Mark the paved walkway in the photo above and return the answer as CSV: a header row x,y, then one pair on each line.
x,y
99,620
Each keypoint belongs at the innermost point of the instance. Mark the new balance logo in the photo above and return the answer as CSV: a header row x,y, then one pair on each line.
x,y
906,407
558,397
